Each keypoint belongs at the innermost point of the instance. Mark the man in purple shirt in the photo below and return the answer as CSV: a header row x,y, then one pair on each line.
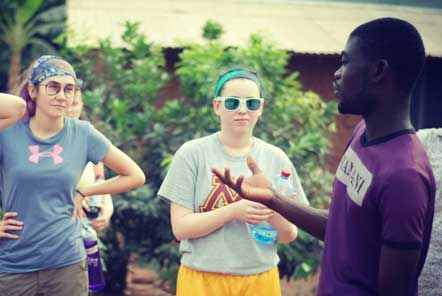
x,y
377,230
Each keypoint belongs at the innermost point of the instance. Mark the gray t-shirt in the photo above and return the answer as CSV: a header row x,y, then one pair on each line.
x,y
430,280
191,184
38,181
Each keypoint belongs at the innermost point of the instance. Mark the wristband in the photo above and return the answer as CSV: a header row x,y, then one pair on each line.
x,y
81,193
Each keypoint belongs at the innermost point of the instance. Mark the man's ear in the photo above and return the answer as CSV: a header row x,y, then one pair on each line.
x,y
379,70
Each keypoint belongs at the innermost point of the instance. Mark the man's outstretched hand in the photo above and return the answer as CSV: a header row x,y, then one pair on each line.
x,y
256,187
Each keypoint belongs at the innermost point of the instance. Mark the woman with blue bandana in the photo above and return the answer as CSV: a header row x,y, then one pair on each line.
x,y
219,255
42,156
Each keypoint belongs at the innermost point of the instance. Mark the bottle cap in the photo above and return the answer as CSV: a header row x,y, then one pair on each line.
x,y
285,173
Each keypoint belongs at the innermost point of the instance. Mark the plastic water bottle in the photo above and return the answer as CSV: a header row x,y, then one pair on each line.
x,y
264,233
282,184
95,271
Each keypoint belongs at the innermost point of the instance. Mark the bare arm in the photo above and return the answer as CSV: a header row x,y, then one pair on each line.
x,y
106,210
12,108
129,177
397,271
186,224
106,206
287,231
311,220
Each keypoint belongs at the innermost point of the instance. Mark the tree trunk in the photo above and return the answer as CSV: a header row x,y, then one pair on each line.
x,y
14,69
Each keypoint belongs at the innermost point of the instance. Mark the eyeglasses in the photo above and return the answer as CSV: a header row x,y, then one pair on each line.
x,y
53,88
233,103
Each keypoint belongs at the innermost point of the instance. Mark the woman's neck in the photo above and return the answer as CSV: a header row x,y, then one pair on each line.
x,y
236,145
45,128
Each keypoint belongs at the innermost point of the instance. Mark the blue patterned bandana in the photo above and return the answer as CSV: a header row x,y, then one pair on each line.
x,y
49,66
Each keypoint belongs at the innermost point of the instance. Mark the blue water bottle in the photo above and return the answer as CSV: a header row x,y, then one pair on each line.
x,y
95,271
264,233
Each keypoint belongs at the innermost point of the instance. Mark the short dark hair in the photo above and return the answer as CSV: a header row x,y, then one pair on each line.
x,y
396,41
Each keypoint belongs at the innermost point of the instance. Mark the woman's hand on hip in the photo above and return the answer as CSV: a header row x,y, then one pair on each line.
x,y
8,224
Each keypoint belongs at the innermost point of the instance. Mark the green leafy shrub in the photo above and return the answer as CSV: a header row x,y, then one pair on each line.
x,y
212,30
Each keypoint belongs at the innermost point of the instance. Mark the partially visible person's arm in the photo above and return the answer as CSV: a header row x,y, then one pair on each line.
x,y
311,220
12,108
287,232
106,206
186,224
397,271
106,210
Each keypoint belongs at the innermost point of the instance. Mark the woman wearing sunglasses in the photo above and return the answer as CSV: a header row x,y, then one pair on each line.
x,y
42,158
219,254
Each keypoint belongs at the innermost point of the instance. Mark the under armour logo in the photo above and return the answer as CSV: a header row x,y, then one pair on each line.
x,y
36,154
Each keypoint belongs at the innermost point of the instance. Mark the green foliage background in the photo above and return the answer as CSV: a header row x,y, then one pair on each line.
x,y
121,96
37,34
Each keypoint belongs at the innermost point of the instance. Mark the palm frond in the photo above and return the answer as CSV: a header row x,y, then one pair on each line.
x,y
8,21
41,46
44,29
15,37
27,10
56,13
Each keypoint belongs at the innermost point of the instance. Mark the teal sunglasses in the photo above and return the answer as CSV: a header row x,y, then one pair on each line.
x,y
233,103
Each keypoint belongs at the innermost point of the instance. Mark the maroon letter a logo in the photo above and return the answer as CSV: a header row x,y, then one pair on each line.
x,y
219,192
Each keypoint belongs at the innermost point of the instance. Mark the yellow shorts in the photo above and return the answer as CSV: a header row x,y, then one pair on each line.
x,y
191,282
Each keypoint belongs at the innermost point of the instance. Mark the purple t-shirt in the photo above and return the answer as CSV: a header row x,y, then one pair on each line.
x,y
383,194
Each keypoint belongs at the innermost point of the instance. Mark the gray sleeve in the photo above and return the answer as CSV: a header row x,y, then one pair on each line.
x,y
97,145
179,184
424,136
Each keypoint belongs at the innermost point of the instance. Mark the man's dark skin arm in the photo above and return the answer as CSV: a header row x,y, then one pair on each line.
x,y
397,271
258,188
311,220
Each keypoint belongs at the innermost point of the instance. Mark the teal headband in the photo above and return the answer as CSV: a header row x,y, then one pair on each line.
x,y
225,78
236,73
